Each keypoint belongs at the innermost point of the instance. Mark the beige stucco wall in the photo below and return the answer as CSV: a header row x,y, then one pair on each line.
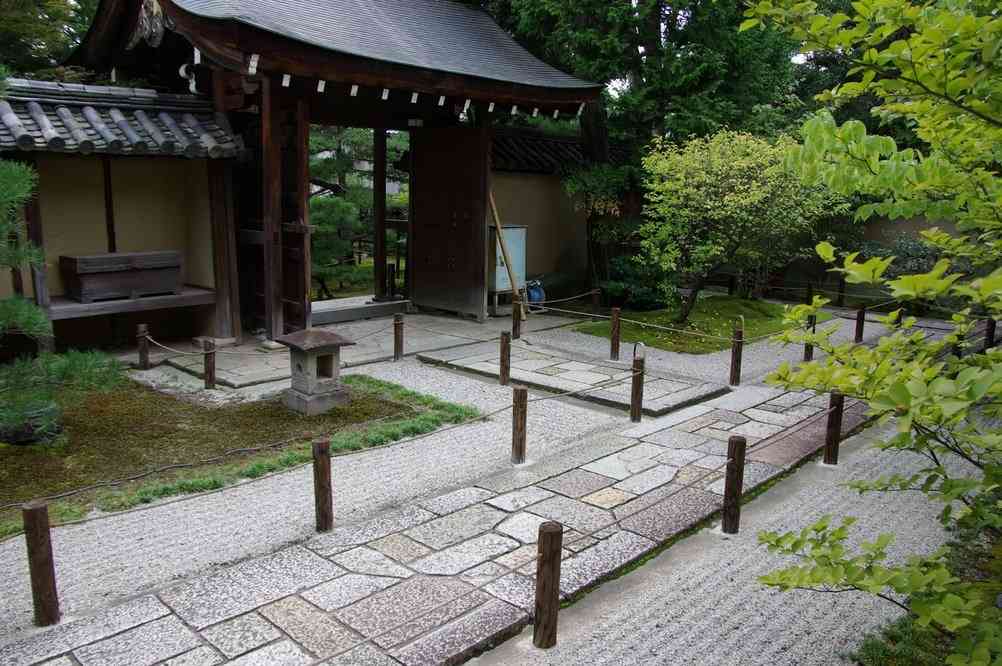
x,y
557,235
160,204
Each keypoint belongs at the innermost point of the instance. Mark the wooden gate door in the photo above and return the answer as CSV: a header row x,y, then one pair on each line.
x,y
448,254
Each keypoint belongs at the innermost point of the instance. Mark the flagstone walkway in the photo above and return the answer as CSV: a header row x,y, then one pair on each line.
x,y
435,579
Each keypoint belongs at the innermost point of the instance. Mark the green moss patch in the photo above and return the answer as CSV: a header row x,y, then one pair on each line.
x,y
134,429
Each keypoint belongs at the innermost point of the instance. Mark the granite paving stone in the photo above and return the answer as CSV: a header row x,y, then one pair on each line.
x,y
577,544
584,377
456,527
141,646
315,630
462,637
572,513
534,364
517,589
696,475
346,590
676,439
679,457
401,603
456,500
581,454
740,400
200,656
465,555
368,561
64,637
626,463
341,538
698,423
519,499
755,473
600,560
608,498
802,412
577,482
721,425
241,634
522,526
717,434
518,557
483,573
436,618
673,514
792,398
247,585
648,480
773,418
755,429
735,418
282,653
575,366
713,462
59,661
363,655
400,547
717,447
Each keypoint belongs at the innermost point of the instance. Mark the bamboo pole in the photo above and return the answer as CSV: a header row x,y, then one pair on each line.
x,y
504,253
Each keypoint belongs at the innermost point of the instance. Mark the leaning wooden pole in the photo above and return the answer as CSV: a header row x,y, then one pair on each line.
x,y
504,253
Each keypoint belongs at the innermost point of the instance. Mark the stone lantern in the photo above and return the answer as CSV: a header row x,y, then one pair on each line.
x,y
315,359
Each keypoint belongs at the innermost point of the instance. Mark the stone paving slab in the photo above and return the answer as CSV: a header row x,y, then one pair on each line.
x,y
559,371
434,581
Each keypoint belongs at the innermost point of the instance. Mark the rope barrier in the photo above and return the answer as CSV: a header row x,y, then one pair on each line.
x,y
564,300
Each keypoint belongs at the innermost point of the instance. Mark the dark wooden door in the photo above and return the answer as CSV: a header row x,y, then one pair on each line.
x,y
449,231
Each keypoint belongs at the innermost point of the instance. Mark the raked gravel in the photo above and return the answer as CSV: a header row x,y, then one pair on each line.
x,y
699,603
101,561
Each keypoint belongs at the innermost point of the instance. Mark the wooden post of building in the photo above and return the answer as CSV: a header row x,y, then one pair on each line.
x,y
143,344
209,354
520,405
271,212
398,337
637,388
737,347
812,326
734,484
990,334
614,335
833,432
840,299
323,492
41,565
379,210
550,543
860,324
516,316
504,376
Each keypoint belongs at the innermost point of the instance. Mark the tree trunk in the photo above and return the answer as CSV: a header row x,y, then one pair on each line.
x,y
688,302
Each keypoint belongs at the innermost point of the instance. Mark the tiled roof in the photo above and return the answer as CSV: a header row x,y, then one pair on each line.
x,y
440,35
75,118
528,151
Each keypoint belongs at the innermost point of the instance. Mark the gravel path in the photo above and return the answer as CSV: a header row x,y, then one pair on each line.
x,y
117,556
700,602
758,359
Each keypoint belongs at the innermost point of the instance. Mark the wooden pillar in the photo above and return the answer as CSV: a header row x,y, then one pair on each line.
x,y
520,403
39,274
379,210
303,243
224,250
271,212
833,429
737,347
109,205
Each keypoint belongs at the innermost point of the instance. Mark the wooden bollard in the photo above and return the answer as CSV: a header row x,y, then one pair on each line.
x,y
41,565
551,541
391,280
989,334
516,316
833,432
737,347
504,375
734,484
520,404
209,349
812,325
614,335
143,343
323,492
637,389
860,324
398,337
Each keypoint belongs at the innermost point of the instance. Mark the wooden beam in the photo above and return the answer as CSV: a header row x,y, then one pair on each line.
x,y
271,210
64,308
109,205
224,250
379,210
39,274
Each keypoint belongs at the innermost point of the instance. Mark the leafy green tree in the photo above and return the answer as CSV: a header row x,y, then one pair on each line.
x,y
724,200
935,65
37,35
336,224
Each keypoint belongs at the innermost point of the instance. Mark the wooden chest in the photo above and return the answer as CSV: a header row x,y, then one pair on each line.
x,y
100,277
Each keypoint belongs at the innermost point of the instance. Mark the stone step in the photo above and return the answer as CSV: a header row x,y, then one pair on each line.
x,y
329,312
